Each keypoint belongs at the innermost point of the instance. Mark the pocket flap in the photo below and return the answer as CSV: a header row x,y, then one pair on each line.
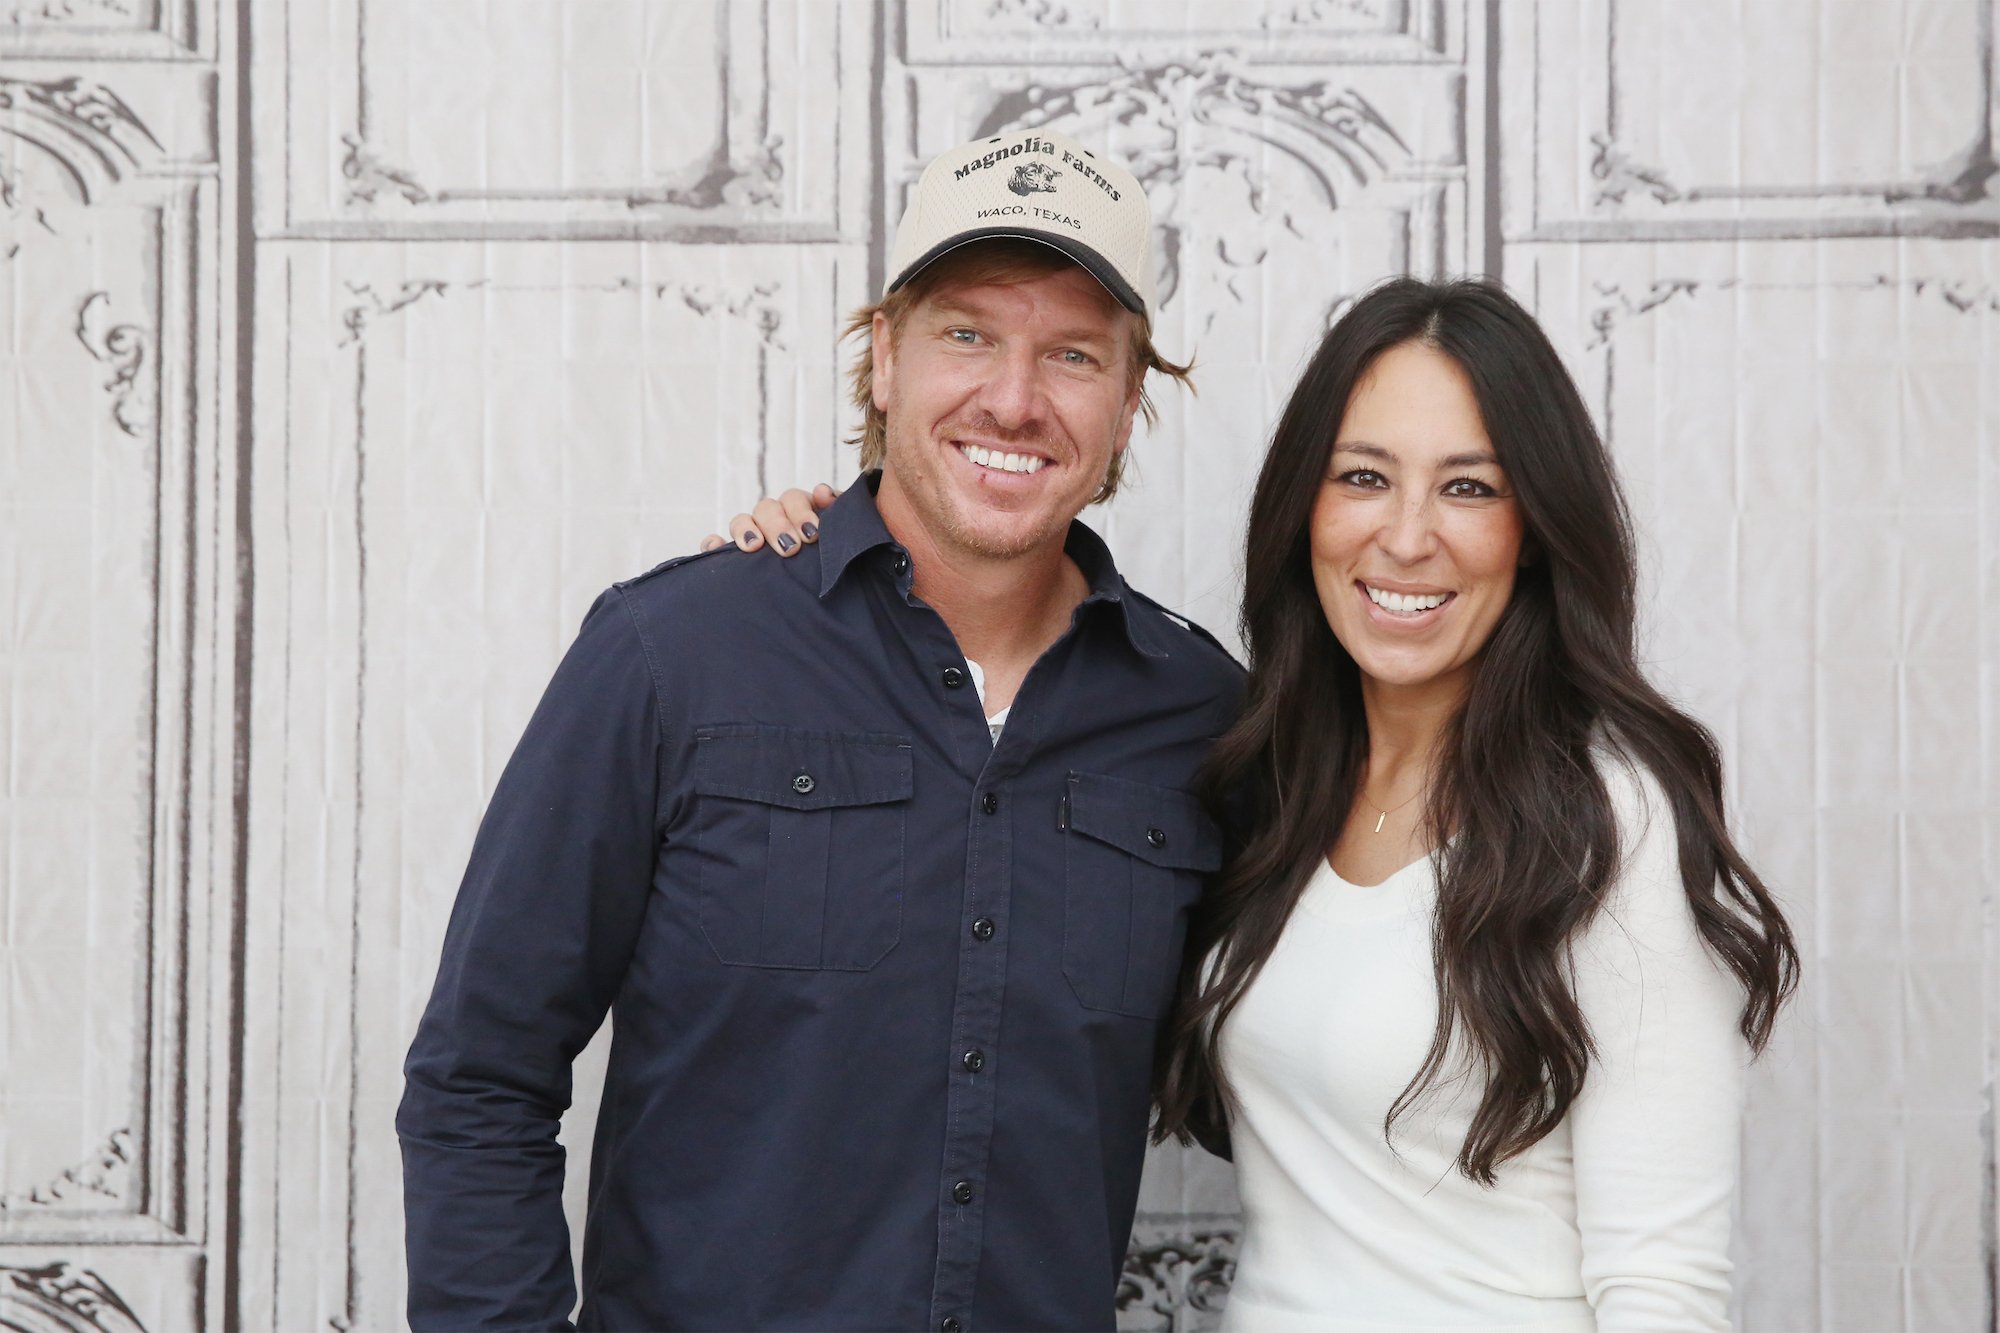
x,y
1160,825
801,770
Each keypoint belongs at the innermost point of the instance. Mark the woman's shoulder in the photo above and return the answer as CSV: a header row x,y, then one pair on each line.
x,y
1646,890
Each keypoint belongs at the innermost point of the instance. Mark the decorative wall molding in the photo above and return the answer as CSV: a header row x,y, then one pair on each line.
x,y
369,177
128,350
62,1298
381,143
1039,32
52,13
1210,112
102,1180
81,127
163,513
1179,1277
760,304
121,30
1620,190
1616,306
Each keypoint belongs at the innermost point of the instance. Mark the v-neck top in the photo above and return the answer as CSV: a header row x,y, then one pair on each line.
x,y
1618,1219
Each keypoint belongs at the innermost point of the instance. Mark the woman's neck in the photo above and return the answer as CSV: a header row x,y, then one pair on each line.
x,y
1404,724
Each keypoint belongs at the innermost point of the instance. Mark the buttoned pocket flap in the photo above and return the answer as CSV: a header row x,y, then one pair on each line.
x,y
1160,825
801,770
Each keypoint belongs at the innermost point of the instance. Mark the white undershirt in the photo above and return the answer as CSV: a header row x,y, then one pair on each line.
x,y
1619,1219
994,721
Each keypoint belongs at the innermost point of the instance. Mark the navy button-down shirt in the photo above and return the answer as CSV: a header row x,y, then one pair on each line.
x,y
884,992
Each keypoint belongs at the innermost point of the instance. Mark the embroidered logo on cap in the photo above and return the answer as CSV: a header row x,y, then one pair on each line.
x,y
1034,178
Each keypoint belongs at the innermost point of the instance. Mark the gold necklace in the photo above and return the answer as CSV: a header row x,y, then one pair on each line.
x,y
1382,816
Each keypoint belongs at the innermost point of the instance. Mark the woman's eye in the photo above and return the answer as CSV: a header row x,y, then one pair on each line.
x,y
1465,488
1365,479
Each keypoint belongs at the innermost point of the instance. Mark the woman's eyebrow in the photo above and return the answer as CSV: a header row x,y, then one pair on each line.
x,y
1471,458
1364,449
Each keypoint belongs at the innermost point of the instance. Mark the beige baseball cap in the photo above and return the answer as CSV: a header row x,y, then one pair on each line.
x,y
1040,186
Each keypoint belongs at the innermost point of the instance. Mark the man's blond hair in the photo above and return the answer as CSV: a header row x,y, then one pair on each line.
x,y
995,261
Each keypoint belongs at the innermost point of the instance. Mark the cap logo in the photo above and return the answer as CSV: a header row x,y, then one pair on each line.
x,y
1030,145
1034,178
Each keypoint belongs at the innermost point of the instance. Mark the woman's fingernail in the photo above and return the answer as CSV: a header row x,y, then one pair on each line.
x,y
811,530
750,539
786,542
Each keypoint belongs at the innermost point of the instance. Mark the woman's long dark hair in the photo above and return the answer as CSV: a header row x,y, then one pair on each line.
x,y
1526,840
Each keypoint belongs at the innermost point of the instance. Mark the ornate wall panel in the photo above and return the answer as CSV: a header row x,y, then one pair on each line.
x,y
115,615
1812,457
464,446
617,118
1631,119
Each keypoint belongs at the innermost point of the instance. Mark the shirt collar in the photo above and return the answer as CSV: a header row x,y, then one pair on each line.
x,y
853,526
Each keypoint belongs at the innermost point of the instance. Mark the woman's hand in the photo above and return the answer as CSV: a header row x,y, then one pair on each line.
x,y
785,524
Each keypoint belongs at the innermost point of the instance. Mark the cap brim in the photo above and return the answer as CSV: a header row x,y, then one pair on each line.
x,y
1092,262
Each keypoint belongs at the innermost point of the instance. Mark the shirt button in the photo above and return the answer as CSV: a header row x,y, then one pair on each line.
x,y
953,678
982,929
803,783
974,1061
962,1191
1157,836
990,803
951,1325
901,564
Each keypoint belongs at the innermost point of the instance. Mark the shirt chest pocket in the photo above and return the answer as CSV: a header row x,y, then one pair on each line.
x,y
1134,857
799,839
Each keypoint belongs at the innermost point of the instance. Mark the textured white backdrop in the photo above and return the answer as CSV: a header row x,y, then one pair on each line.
x,y
350,346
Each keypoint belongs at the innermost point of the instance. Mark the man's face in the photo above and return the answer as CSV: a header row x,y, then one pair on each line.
x,y
1006,402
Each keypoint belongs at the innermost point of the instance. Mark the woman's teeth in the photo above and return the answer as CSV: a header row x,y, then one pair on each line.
x,y
1000,462
1406,604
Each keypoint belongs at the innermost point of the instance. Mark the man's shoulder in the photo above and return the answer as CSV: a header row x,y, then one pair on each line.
x,y
1171,626
717,578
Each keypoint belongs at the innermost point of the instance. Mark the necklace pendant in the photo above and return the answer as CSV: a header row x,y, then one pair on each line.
x,y
1380,820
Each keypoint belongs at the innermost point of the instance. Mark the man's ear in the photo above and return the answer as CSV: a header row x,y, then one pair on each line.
x,y
882,350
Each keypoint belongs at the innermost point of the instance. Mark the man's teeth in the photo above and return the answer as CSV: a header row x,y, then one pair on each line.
x,y
1000,462
1405,604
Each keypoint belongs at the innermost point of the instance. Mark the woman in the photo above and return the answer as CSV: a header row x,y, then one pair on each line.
x,y
1475,994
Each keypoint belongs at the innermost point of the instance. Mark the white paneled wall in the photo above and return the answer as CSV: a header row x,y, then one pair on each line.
x,y
351,347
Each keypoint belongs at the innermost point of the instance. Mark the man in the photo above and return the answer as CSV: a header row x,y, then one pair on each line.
x,y
880,856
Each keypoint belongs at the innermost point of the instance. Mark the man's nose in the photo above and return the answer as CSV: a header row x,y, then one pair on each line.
x,y
1012,393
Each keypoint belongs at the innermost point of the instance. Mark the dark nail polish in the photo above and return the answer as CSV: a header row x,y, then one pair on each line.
x,y
750,539
811,530
786,542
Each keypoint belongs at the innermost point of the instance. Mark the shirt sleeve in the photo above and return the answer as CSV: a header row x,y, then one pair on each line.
x,y
1655,1130
537,946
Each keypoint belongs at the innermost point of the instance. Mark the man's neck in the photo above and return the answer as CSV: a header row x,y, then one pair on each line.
x,y
1003,612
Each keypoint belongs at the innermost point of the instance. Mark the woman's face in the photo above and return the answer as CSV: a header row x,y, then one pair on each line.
x,y
1416,533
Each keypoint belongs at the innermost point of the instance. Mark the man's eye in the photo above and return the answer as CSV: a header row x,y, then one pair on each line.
x,y
1072,357
962,335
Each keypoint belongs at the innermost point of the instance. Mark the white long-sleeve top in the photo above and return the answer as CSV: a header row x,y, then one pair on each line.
x,y
1617,1220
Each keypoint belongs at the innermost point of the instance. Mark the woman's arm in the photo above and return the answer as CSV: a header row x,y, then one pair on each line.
x,y
1656,1128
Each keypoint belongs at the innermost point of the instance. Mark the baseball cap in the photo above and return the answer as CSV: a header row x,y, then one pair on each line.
x,y
1038,185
